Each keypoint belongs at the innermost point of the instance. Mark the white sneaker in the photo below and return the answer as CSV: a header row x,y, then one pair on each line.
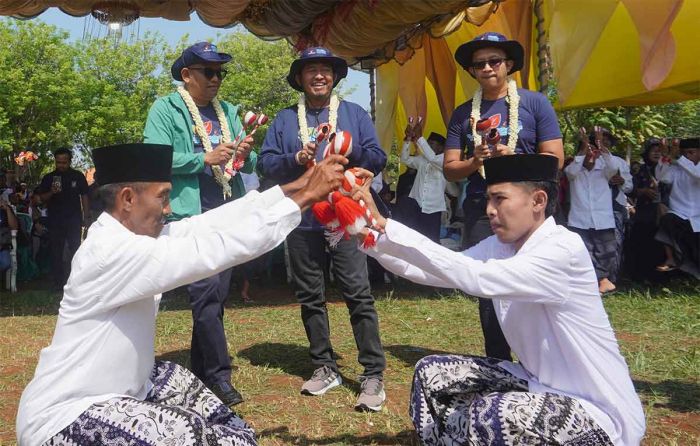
x,y
323,380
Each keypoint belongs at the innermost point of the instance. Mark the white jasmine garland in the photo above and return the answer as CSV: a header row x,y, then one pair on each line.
x,y
301,116
222,176
513,99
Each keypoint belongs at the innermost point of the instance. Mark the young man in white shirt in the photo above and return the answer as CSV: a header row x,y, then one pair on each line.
x,y
429,186
591,214
679,229
571,384
98,381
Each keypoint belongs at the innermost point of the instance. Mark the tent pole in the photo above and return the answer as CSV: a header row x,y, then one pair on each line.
x,y
542,56
372,94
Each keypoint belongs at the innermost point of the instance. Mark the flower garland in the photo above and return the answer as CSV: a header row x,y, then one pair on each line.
x,y
222,176
513,99
301,116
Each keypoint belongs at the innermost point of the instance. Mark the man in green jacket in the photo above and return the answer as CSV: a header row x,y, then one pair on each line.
x,y
203,131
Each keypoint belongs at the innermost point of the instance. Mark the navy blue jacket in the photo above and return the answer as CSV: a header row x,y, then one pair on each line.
x,y
282,141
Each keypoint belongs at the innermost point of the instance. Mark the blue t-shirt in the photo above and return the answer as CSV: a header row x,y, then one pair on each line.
x,y
210,192
282,141
537,122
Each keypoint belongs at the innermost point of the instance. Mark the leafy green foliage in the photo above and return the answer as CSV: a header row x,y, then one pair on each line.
x,y
631,125
117,87
37,89
256,73
86,94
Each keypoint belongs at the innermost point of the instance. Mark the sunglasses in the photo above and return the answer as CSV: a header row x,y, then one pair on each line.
x,y
493,63
209,73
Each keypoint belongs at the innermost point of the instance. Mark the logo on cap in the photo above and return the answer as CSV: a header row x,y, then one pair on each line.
x,y
209,48
316,51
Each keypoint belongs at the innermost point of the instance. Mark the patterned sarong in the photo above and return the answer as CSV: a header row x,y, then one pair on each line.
x,y
179,410
469,400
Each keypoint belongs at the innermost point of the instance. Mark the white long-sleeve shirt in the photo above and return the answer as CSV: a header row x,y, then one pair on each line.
x,y
429,186
591,196
547,303
684,176
626,187
103,345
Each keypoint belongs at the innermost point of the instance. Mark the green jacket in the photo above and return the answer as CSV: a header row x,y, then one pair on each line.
x,y
169,122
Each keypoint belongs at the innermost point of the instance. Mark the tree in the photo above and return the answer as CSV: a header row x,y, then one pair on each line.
x,y
118,84
37,90
630,125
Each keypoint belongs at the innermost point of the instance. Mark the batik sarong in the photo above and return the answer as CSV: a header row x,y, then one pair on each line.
x,y
179,410
468,400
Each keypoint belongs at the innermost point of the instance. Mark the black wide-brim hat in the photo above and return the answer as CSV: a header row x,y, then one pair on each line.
x,y
197,53
317,54
513,49
521,167
133,163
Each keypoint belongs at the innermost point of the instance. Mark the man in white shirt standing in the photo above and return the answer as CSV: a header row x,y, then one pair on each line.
x,y
591,214
429,186
98,381
571,384
679,229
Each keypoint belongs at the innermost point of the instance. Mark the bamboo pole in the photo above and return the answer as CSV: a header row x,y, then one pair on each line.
x,y
542,50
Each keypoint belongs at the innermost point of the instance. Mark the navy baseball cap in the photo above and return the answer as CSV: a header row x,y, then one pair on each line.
x,y
197,53
317,54
513,49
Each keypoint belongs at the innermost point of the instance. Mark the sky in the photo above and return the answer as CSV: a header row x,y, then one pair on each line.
x,y
172,31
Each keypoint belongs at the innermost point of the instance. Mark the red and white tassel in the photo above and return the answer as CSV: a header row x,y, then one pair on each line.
x,y
369,241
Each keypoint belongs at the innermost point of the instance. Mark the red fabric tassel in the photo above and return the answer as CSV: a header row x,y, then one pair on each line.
x,y
369,241
324,213
350,214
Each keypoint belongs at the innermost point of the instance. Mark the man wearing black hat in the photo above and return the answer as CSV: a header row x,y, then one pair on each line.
x,y
289,145
570,385
202,130
526,123
428,189
98,381
679,229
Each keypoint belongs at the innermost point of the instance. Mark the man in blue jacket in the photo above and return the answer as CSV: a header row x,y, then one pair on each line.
x,y
289,145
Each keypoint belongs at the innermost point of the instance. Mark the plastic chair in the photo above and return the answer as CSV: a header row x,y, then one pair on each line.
x,y
11,274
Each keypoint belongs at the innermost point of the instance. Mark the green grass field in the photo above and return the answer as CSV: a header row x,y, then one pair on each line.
x,y
658,330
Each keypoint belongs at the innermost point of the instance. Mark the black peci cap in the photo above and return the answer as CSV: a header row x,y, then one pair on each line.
x,y
127,163
519,168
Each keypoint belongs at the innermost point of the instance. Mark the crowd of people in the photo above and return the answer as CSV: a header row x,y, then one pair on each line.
x,y
180,212
49,219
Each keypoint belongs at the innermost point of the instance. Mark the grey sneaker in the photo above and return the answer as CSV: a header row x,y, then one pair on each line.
x,y
323,380
372,395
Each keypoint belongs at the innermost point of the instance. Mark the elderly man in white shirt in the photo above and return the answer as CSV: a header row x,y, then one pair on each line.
x,y
429,186
679,229
571,384
98,381
591,214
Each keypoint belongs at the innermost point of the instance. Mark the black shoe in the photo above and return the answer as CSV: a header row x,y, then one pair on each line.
x,y
227,394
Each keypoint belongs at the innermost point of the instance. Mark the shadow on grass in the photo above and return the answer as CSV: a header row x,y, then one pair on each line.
x,y
682,396
35,302
290,358
410,354
404,438
181,357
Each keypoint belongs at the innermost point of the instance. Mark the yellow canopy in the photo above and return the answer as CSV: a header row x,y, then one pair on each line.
x,y
603,53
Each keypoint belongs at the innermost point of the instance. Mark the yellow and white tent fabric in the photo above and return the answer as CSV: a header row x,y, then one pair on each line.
x,y
603,53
